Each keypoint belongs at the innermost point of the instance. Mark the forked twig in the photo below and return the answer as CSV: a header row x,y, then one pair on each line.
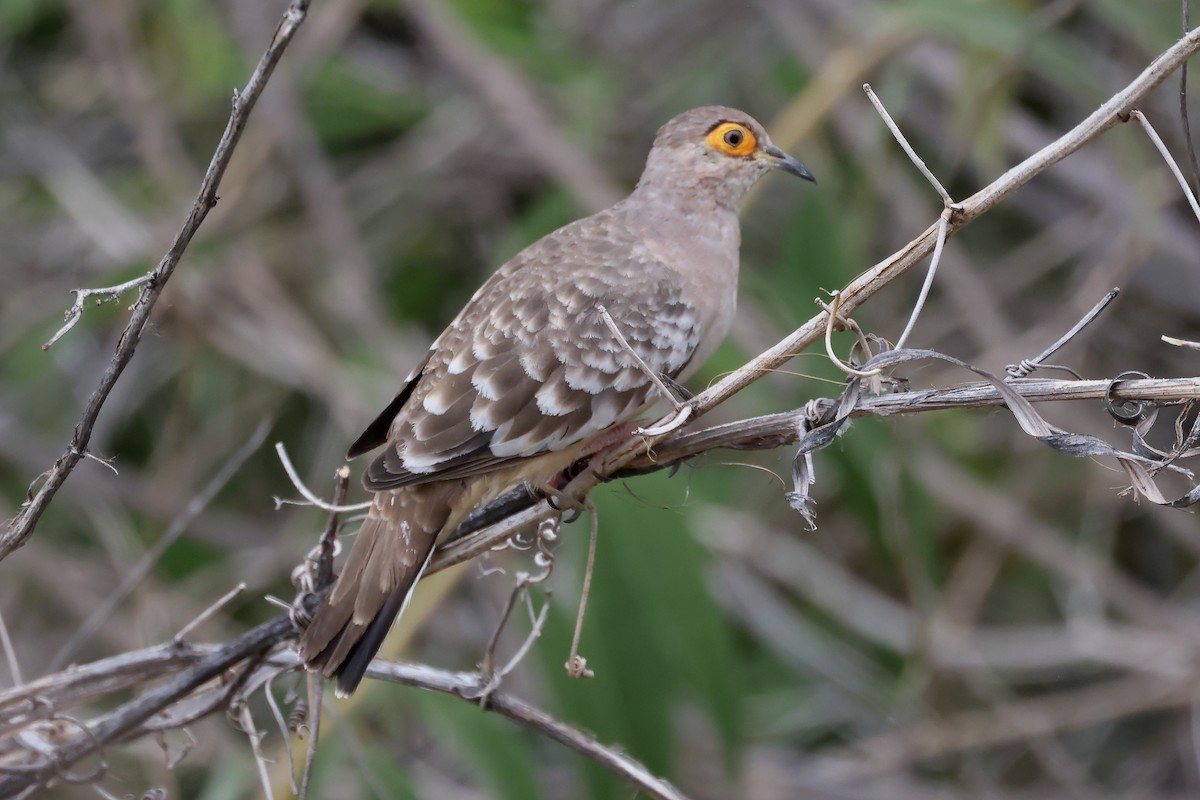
x,y
303,489
21,527
545,535
106,294
943,228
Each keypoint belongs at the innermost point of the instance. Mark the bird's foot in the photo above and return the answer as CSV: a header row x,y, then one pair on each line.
x,y
561,501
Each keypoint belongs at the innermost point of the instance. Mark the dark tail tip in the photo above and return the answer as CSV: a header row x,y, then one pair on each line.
x,y
352,669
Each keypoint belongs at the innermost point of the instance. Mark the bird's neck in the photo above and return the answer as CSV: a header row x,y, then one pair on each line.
x,y
698,240
697,221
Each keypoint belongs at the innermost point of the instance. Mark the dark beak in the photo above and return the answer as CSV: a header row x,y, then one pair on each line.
x,y
783,161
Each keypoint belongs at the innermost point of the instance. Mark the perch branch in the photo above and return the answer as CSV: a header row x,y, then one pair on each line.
x,y
467,686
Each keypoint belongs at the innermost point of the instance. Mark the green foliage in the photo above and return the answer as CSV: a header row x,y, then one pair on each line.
x,y
500,754
351,114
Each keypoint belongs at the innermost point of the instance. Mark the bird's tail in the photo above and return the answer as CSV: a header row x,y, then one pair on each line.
x,y
391,551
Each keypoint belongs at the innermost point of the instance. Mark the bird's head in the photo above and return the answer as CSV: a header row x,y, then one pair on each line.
x,y
715,150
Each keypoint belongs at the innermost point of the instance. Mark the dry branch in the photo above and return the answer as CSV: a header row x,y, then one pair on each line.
x,y
20,528
255,658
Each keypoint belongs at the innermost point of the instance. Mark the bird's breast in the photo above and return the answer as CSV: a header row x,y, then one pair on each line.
x,y
701,252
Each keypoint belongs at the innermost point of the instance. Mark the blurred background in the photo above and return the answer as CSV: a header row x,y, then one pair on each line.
x,y
974,616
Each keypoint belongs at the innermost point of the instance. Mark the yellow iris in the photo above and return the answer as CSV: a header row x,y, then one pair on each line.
x,y
732,138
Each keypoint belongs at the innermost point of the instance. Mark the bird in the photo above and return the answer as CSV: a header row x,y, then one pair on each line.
x,y
531,374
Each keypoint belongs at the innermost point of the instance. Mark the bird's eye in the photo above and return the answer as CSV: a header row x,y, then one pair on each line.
x,y
732,139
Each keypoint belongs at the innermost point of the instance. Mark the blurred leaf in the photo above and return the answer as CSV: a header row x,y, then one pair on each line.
x,y
501,754
544,213
389,773
349,113
194,44
231,782
30,19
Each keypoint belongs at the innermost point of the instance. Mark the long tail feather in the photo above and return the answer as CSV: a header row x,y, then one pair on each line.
x,y
389,555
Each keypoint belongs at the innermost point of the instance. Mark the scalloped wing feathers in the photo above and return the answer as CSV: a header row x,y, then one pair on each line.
x,y
530,366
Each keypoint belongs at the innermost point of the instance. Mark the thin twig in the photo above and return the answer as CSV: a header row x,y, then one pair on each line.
x,y
912,154
281,724
264,773
207,613
327,545
1183,106
314,684
943,222
943,227
10,654
488,665
1166,154
535,632
22,526
576,664
1026,367
107,294
682,410
307,493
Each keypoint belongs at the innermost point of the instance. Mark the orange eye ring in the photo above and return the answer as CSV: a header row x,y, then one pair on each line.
x,y
732,139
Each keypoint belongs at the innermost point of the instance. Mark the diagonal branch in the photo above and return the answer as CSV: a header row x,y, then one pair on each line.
x,y
21,527
467,685
250,657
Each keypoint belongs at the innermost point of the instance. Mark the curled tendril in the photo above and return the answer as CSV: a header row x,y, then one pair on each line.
x,y
1126,412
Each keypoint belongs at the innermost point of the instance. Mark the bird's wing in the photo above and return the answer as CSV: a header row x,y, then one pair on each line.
x,y
530,365
377,432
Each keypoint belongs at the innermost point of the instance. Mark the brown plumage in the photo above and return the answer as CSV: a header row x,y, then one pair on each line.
x,y
528,374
